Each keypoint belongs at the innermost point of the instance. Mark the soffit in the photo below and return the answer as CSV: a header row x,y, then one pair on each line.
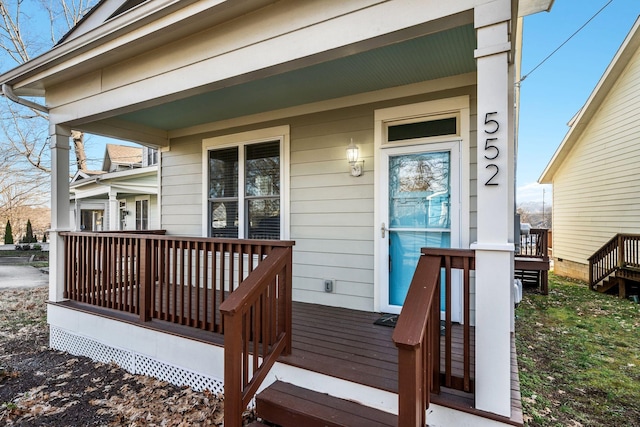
x,y
443,54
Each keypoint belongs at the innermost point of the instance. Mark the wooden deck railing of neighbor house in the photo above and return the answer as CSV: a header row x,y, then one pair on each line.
x,y
417,334
621,252
532,261
535,244
257,331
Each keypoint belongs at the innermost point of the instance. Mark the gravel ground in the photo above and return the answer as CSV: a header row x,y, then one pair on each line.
x,y
43,387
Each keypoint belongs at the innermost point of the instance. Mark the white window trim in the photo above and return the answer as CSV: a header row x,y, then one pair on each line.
x,y
448,107
281,133
135,215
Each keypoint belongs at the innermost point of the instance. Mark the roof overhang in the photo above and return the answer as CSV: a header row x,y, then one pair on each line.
x,y
581,120
151,24
529,7
110,177
427,50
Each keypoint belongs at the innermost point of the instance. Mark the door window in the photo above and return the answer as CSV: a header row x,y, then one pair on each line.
x,y
419,213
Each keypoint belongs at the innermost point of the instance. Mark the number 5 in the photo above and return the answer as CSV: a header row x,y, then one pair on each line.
x,y
488,146
487,121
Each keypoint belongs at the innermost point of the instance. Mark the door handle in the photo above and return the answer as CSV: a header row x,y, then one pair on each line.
x,y
383,230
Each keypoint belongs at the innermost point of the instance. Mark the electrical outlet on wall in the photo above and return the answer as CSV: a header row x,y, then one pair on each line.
x,y
328,285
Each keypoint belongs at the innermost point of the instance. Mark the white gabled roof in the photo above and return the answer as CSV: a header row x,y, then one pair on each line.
x,y
578,123
121,155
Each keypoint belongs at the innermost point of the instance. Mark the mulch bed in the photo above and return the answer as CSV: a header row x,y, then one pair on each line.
x,y
40,386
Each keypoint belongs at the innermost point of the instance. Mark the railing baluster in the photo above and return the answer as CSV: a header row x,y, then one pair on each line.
x,y
447,313
214,286
189,283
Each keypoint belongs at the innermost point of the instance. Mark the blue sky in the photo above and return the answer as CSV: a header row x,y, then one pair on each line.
x,y
553,94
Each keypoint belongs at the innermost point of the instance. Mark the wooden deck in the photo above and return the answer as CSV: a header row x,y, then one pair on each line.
x,y
344,344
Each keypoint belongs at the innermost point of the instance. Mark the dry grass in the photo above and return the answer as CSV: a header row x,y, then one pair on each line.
x,y
579,357
39,386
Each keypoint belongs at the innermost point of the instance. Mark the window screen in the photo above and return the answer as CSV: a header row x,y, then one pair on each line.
x,y
260,196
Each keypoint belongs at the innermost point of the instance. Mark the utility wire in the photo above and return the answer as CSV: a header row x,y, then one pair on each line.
x,y
565,42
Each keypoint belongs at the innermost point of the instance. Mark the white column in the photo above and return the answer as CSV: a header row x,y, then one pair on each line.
x,y
60,204
114,210
495,199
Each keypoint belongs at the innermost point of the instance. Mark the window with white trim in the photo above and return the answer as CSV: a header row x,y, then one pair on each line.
x,y
244,191
142,214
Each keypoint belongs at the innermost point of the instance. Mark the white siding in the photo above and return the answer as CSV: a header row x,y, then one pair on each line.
x,y
181,186
331,212
596,191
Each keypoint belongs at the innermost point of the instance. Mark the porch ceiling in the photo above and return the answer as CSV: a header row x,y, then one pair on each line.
x,y
434,56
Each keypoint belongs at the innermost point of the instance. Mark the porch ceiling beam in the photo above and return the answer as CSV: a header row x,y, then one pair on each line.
x,y
120,129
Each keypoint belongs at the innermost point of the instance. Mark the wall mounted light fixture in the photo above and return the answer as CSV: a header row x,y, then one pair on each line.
x,y
352,157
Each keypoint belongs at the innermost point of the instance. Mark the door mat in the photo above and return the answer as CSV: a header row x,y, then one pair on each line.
x,y
391,320
387,320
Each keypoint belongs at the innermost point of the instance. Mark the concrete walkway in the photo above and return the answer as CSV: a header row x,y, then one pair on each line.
x,y
20,276
15,275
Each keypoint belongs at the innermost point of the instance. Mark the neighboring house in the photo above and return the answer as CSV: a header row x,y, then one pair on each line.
x,y
594,171
258,108
121,196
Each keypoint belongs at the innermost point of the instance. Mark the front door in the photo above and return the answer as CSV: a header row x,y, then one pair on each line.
x,y
420,209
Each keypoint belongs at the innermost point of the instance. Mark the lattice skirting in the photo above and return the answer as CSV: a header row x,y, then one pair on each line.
x,y
131,361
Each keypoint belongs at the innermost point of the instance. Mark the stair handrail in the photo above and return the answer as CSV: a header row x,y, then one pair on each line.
x,y
415,339
417,333
257,330
618,252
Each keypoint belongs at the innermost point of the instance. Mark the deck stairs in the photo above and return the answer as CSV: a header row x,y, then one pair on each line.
x,y
287,405
615,267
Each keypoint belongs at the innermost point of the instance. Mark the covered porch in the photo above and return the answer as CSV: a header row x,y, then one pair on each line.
x,y
236,294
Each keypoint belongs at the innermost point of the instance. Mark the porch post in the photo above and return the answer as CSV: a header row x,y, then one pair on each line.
x,y
60,208
114,210
495,199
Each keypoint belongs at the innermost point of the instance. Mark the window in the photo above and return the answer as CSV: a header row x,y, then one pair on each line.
x,y
245,191
152,156
142,214
123,214
423,129
91,219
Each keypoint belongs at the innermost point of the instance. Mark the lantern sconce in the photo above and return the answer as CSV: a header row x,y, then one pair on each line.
x,y
352,158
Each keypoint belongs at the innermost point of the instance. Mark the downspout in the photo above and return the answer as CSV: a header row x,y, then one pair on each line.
x,y
7,90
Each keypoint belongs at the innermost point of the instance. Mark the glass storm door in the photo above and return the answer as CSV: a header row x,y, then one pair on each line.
x,y
419,212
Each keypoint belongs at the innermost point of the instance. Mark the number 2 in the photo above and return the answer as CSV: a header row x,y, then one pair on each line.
x,y
489,181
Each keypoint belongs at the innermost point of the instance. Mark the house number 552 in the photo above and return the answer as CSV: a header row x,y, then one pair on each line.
x,y
491,150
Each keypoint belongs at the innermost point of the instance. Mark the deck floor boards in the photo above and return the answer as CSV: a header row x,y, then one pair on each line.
x,y
345,344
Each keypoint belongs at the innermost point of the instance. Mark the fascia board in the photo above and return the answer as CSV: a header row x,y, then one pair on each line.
x,y
155,17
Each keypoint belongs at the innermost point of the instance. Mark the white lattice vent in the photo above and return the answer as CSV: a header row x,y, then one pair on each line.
x,y
177,375
131,361
82,346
